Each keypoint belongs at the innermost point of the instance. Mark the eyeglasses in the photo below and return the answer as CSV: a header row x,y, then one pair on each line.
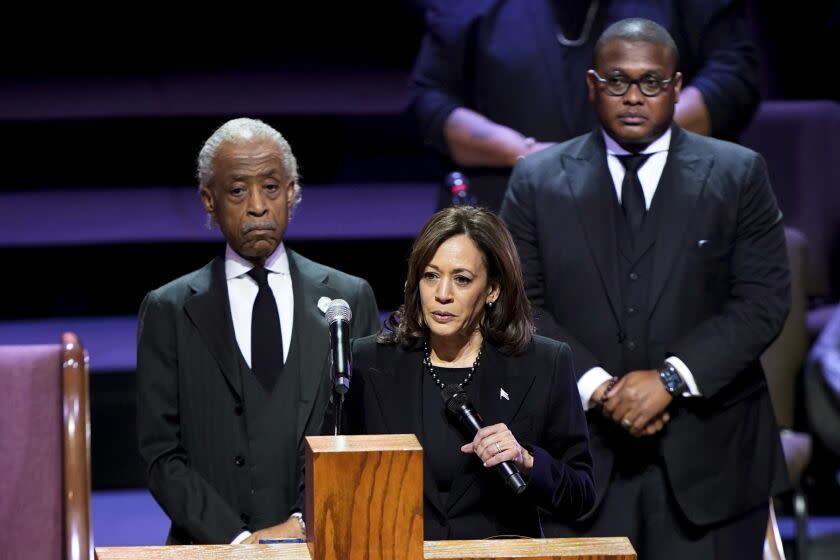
x,y
619,84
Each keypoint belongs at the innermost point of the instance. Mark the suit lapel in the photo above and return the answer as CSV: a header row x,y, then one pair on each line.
x,y
400,395
398,389
310,333
683,180
590,183
209,311
503,388
494,376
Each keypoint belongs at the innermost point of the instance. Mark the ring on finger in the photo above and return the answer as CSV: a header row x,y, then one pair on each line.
x,y
626,422
498,448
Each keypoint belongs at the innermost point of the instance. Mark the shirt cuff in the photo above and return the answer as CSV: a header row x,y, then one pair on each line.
x,y
589,382
685,373
241,537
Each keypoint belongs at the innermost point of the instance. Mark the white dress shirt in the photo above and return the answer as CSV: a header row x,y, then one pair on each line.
x,y
242,291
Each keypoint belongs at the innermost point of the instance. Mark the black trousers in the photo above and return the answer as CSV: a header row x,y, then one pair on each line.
x,y
639,505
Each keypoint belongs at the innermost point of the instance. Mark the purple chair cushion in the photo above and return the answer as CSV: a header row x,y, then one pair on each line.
x,y
801,141
31,452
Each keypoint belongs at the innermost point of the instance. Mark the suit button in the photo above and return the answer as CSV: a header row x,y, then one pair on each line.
x,y
237,410
239,460
245,518
631,345
633,276
631,310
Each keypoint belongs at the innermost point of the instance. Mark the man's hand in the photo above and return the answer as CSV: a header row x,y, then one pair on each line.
x,y
638,401
289,529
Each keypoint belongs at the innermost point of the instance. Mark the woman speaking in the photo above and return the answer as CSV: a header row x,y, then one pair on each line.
x,y
459,366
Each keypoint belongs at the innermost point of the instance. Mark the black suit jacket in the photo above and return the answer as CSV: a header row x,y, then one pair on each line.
x,y
543,412
502,59
194,440
719,293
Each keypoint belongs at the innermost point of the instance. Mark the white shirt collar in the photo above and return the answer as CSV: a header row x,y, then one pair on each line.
x,y
661,144
236,266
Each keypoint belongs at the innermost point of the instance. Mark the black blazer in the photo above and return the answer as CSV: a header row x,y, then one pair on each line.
x,y
719,293
194,440
543,412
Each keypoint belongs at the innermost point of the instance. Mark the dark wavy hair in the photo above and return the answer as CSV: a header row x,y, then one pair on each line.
x,y
508,323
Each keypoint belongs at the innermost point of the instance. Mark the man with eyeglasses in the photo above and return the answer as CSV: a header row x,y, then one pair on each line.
x,y
498,79
659,256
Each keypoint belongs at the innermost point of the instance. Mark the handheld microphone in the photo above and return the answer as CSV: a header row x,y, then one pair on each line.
x,y
338,316
457,403
459,188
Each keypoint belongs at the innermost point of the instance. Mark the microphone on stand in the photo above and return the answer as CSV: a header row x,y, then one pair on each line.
x,y
458,187
338,316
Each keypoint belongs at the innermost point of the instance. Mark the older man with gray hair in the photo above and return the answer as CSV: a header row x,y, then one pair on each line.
x,y
232,359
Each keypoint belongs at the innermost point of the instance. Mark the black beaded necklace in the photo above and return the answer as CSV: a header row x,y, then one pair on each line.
x,y
427,361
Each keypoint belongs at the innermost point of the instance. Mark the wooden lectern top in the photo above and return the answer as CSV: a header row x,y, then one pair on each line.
x,y
609,548
387,442
206,552
606,548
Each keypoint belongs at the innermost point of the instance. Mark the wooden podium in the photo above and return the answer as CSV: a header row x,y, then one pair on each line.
x,y
364,501
367,497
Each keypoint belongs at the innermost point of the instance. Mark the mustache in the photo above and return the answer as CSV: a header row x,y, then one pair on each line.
x,y
269,225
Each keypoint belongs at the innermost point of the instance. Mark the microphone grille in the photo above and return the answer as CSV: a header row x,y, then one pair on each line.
x,y
338,310
454,399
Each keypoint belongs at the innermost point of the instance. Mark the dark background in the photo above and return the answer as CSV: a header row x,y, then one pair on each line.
x,y
799,45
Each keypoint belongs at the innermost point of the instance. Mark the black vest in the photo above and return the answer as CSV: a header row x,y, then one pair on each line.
x,y
635,267
271,417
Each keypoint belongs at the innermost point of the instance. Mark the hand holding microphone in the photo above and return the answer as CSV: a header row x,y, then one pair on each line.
x,y
495,445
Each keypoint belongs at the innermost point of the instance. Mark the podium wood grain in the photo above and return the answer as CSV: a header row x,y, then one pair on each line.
x,y
206,552
612,548
367,503
605,548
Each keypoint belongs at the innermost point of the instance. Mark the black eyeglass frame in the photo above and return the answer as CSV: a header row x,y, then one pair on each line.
x,y
628,82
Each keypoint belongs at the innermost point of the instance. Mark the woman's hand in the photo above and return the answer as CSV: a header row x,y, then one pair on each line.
x,y
496,443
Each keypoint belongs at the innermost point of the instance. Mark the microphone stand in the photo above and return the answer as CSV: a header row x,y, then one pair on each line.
x,y
339,402
341,384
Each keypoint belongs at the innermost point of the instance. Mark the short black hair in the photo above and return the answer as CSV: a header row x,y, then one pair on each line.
x,y
636,30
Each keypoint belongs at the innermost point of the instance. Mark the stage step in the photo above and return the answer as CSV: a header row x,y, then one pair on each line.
x,y
171,214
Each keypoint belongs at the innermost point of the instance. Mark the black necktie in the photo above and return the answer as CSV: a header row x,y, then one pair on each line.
x,y
632,197
266,337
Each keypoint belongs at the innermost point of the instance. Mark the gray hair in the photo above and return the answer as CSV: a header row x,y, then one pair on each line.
x,y
245,129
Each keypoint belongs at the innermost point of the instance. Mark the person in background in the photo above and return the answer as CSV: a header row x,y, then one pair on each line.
x,y
495,80
465,328
659,256
232,368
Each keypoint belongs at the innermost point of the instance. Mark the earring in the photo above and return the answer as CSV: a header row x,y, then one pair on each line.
x,y
490,304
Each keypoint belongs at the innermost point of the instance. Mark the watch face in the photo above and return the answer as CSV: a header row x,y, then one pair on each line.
x,y
672,380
